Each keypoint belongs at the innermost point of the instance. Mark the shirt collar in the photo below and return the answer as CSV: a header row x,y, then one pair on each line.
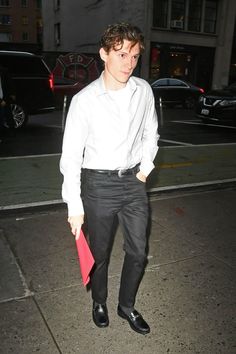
x,y
101,89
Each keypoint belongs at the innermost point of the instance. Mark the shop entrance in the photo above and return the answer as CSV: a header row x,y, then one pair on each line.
x,y
190,63
181,65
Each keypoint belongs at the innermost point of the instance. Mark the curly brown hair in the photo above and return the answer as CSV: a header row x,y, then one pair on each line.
x,y
115,35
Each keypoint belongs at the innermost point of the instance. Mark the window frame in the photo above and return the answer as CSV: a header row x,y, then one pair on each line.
x,y
25,36
166,12
193,18
7,3
3,17
25,20
57,33
24,3
208,20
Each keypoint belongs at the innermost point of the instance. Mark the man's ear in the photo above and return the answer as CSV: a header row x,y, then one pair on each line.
x,y
103,54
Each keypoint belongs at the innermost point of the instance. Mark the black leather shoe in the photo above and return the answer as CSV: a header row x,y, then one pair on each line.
x,y
100,315
135,320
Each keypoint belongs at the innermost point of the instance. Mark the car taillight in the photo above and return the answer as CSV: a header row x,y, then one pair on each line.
x,y
51,82
201,90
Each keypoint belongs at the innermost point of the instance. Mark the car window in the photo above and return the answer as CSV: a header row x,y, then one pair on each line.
x,y
160,82
232,87
24,66
176,82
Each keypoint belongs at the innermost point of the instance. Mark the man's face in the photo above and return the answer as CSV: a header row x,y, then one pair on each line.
x,y
119,64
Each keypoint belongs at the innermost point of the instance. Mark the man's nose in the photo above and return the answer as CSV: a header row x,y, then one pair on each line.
x,y
130,62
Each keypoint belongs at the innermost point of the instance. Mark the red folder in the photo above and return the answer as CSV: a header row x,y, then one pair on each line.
x,y
85,256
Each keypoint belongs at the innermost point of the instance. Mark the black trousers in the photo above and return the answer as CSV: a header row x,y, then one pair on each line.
x,y
6,116
107,198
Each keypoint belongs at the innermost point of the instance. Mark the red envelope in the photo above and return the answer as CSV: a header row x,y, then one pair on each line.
x,y
85,256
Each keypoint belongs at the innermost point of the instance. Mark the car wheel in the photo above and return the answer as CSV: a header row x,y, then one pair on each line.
x,y
19,116
189,103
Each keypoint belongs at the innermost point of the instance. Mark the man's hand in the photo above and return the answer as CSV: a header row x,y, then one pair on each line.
x,y
75,223
13,97
3,103
141,177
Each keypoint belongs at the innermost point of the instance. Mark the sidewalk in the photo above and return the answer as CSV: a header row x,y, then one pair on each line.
x,y
187,294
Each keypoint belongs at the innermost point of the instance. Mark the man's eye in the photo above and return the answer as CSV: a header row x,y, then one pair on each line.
x,y
122,56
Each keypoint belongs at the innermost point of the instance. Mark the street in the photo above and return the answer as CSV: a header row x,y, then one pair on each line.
x,y
191,155
43,134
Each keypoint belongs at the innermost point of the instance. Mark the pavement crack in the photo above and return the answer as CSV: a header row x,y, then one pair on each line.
x,y
158,265
22,291
47,326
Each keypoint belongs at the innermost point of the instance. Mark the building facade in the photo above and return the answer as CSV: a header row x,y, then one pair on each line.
x,y
192,39
21,25
189,39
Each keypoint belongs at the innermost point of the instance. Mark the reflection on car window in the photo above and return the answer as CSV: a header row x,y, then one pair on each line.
x,y
28,65
232,86
160,82
176,82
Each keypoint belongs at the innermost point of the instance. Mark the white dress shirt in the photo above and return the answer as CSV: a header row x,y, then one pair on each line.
x,y
107,130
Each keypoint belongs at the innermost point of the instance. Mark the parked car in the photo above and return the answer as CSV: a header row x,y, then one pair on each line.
x,y
65,87
32,82
175,91
218,105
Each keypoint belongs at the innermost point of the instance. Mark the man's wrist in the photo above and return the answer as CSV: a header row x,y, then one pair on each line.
x,y
141,176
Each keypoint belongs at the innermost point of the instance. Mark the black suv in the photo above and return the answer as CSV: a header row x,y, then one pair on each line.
x,y
32,82
218,106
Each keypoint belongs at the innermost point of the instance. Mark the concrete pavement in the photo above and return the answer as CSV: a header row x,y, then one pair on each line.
x,y
187,294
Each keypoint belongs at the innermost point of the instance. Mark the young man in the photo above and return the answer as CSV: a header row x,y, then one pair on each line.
x,y
111,136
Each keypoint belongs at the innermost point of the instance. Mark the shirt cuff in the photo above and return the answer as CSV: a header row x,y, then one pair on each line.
x,y
75,209
146,168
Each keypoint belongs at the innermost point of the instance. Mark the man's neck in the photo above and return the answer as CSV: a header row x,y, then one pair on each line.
x,y
111,83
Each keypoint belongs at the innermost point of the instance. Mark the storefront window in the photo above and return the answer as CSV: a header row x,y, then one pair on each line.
x,y
210,16
155,63
160,11
179,65
194,18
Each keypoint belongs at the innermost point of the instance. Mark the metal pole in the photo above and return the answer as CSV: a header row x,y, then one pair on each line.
x,y
64,113
161,112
